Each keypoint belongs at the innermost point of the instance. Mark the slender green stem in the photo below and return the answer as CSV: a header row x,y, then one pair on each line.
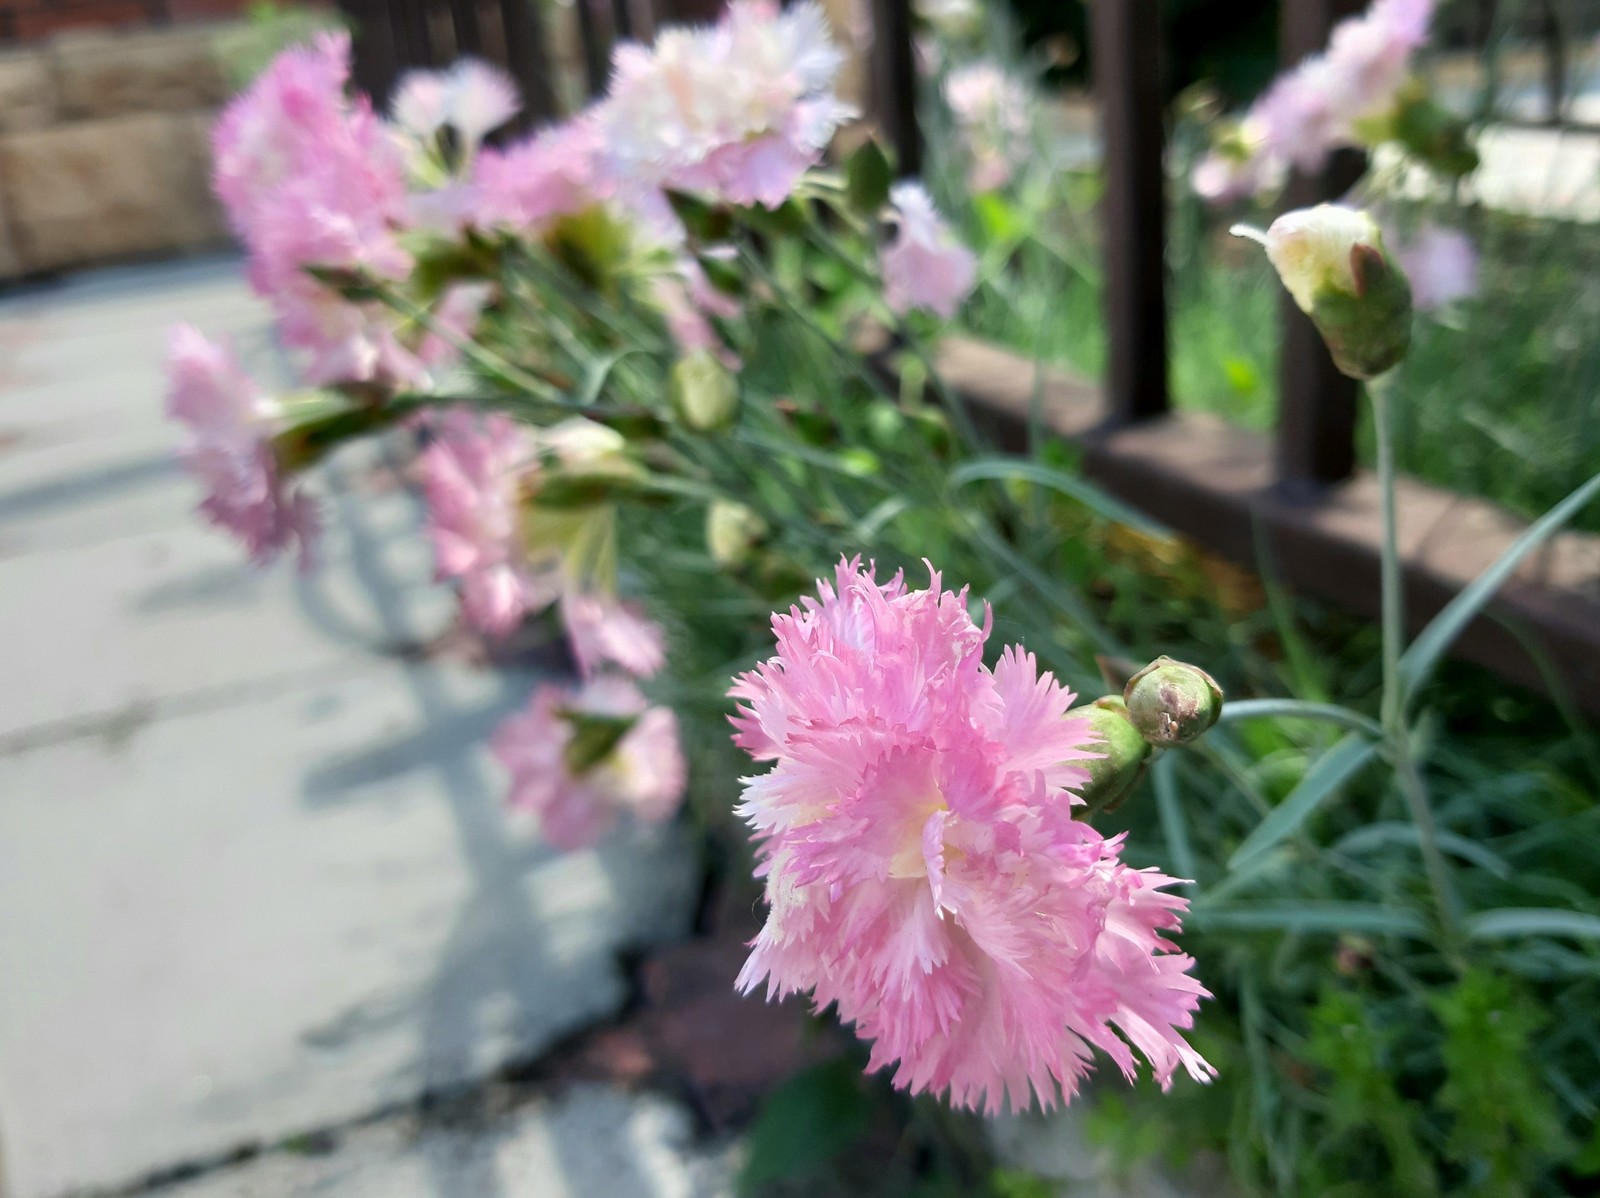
x,y
1415,791
1390,711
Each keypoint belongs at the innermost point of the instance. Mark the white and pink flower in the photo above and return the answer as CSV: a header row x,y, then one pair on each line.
x,y
740,109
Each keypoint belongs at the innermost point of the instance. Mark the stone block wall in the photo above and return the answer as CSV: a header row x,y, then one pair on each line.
x,y
104,146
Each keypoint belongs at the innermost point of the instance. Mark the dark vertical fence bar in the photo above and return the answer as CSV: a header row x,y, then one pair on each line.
x,y
1127,81
894,82
412,35
528,59
1317,404
596,46
464,16
375,54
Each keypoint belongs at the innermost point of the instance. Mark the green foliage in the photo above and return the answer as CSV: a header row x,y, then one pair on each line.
x,y
806,1122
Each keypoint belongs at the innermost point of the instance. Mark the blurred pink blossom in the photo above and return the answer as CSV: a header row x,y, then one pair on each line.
x,y
923,868
1315,107
310,178
526,185
924,266
604,630
473,473
229,449
577,800
740,109
1440,263
1319,105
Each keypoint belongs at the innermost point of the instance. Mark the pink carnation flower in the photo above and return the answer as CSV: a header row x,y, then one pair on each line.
x,y
923,869
229,449
1441,265
740,109
604,630
473,473
548,750
925,266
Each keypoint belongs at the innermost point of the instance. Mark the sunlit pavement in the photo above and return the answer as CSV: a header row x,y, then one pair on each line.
x,y
255,878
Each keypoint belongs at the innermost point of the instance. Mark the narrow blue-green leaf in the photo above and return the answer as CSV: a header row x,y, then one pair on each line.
x,y
1307,916
1419,660
1381,835
1326,775
1174,825
1086,493
1533,921
1326,713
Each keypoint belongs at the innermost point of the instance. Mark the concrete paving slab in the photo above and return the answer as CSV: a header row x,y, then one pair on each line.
x,y
593,1142
255,875
229,927
136,621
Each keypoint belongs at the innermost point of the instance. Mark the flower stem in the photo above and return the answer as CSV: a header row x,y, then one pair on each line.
x,y
1392,598
1392,710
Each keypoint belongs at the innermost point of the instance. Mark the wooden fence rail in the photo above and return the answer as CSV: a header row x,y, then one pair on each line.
x,y
1298,495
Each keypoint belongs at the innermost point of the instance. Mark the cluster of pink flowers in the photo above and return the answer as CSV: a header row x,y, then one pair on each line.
x,y
312,178
480,474
924,871
740,109
230,426
1322,103
924,266
991,112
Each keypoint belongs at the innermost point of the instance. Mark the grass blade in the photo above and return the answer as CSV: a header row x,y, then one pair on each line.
x,y
1417,663
1000,469
1174,825
1326,775
1533,921
1327,713
1308,916
1381,835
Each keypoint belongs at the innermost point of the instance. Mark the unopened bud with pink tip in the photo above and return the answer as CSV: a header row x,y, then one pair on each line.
x,y
1333,261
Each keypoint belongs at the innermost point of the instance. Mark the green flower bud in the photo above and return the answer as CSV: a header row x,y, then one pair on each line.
x,y
1171,703
1113,776
1333,262
732,531
705,395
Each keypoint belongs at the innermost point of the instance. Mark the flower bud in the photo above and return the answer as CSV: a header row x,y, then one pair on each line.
x,y
1171,703
705,394
732,531
1333,262
1124,753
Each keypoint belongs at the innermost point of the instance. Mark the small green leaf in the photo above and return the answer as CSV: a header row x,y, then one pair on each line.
x,y
807,1121
867,178
1327,773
